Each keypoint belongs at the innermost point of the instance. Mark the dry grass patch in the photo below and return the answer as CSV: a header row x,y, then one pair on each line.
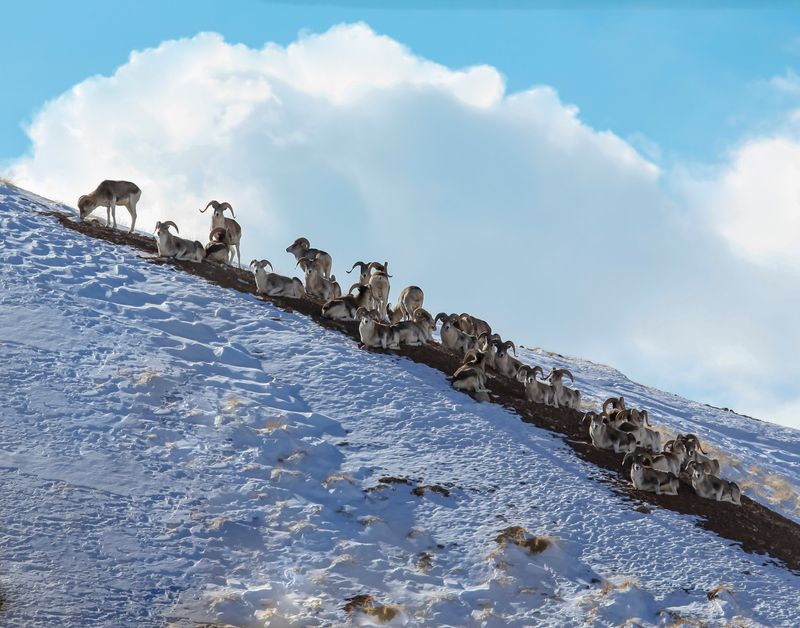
x,y
419,491
278,473
273,425
371,520
424,561
715,592
229,404
366,604
337,477
146,377
518,536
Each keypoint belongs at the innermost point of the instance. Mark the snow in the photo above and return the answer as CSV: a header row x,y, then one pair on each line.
x,y
176,453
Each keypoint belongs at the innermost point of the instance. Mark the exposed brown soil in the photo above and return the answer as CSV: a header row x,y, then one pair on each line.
x,y
754,527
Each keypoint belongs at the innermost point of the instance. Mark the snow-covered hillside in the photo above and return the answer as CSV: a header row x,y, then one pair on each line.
x,y
176,453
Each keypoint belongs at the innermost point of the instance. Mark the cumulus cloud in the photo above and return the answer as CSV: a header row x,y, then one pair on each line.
x,y
503,204
754,202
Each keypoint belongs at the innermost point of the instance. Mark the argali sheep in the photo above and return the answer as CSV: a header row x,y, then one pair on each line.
x,y
535,390
606,436
664,461
472,325
653,481
273,284
363,272
109,194
711,487
452,337
504,363
696,454
418,331
317,285
172,246
374,333
565,396
301,249
409,301
379,284
233,228
471,375
344,308
218,248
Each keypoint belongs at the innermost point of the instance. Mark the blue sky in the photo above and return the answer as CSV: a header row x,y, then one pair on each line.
x,y
688,79
625,180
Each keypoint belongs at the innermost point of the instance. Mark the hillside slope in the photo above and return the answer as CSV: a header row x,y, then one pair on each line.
x,y
175,452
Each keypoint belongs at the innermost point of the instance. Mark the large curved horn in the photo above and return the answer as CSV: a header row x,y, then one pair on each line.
x,y
224,206
611,401
361,266
441,315
167,224
356,285
523,372
471,356
645,418
696,440
220,231
253,263
537,368
266,262
510,343
567,373
158,224
213,204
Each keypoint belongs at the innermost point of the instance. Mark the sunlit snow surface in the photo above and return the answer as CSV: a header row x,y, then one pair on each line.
x,y
176,453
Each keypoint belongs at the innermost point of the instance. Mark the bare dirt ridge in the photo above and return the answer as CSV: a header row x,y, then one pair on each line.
x,y
754,527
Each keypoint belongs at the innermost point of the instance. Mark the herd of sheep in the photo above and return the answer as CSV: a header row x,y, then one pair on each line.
x,y
654,467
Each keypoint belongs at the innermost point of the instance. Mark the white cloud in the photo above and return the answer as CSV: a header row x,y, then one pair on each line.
x,y
506,205
754,202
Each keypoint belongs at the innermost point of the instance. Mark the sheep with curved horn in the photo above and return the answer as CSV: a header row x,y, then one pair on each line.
x,y
473,325
273,284
169,245
658,482
344,308
363,272
535,390
373,333
317,285
379,284
218,247
711,487
301,249
505,364
565,396
234,230
452,337
109,194
418,331
470,377
409,301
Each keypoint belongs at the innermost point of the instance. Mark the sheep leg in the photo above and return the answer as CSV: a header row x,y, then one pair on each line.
x,y
113,210
132,209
